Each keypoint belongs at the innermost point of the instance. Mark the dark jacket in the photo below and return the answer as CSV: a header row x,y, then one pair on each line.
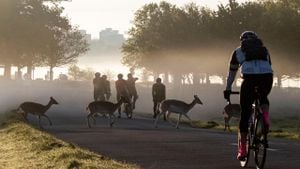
x,y
158,92
122,89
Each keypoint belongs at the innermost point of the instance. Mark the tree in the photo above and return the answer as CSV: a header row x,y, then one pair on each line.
x,y
74,71
9,16
65,49
34,33
161,35
78,74
192,39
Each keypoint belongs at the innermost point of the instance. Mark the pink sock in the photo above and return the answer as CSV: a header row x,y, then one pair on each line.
x,y
242,151
243,145
266,118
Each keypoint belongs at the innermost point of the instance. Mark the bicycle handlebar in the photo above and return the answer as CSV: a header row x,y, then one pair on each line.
x,y
232,92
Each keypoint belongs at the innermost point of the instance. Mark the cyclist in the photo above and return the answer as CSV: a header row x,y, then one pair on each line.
x,y
255,62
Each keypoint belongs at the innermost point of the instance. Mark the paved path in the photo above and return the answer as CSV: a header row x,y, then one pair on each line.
x,y
137,141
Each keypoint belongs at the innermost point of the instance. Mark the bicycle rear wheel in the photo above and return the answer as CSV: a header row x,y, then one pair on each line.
x,y
260,143
244,162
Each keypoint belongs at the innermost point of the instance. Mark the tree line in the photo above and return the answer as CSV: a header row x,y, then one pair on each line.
x,y
186,41
34,33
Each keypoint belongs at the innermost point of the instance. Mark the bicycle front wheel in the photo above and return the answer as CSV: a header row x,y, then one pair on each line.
x,y
260,143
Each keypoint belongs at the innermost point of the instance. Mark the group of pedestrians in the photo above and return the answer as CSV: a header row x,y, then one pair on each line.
x,y
124,88
102,90
127,90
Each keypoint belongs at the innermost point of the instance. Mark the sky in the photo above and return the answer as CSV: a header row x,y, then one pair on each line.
x,y
96,15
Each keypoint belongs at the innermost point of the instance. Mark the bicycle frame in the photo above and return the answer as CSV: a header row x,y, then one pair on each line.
x,y
257,136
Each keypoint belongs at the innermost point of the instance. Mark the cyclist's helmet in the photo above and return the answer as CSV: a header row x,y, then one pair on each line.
x,y
97,74
248,35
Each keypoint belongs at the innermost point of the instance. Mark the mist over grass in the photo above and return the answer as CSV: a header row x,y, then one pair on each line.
x,y
73,97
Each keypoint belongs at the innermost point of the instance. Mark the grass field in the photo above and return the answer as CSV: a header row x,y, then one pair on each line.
x,y
281,127
24,147
287,127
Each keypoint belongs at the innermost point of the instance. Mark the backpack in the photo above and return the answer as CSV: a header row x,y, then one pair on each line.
x,y
254,49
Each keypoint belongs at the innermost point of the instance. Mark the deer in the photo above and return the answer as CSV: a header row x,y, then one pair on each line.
x,y
104,108
36,109
177,107
231,110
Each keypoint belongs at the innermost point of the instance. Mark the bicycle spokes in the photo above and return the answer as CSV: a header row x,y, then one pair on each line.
x,y
260,144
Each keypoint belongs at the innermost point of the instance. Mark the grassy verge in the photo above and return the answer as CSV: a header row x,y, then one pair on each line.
x,y
23,146
285,127
281,127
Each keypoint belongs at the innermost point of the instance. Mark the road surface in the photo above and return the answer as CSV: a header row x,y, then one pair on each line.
x,y
137,141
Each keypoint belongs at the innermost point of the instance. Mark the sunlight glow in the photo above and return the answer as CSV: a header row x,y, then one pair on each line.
x,y
96,15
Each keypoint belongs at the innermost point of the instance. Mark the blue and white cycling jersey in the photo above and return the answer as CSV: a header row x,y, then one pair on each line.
x,y
238,59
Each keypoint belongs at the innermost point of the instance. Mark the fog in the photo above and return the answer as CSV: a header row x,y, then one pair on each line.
x,y
73,96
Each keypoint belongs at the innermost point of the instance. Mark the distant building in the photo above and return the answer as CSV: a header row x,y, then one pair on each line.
x,y
111,37
87,36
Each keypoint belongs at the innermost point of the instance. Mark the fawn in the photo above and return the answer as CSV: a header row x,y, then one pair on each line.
x,y
36,109
231,110
177,107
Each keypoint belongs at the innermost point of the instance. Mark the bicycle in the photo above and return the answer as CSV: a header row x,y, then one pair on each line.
x,y
128,110
257,136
